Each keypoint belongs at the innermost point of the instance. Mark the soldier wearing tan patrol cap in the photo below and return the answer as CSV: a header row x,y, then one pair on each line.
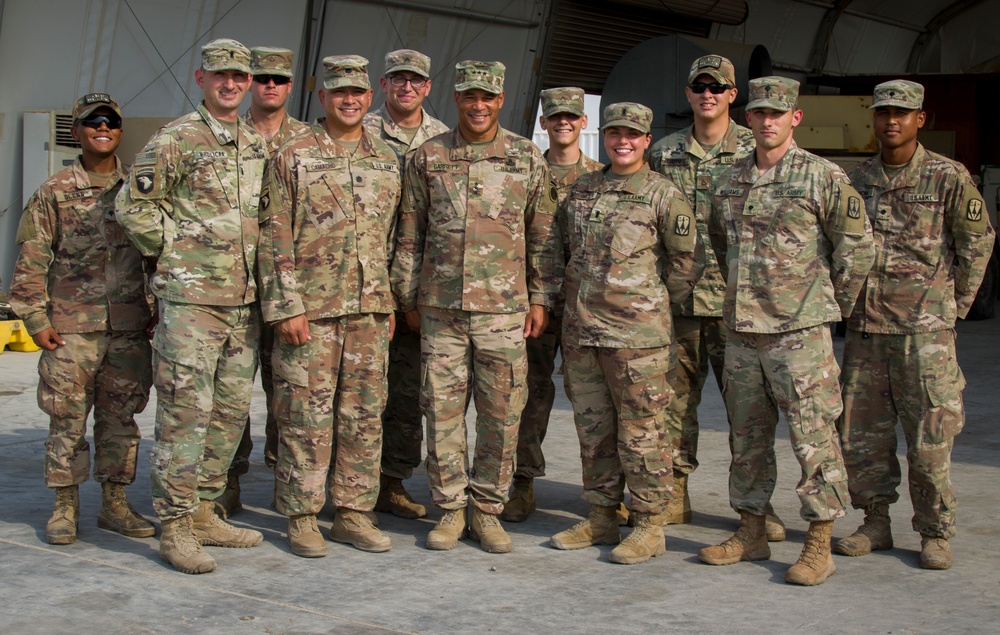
x,y
475,272
792,241
933,242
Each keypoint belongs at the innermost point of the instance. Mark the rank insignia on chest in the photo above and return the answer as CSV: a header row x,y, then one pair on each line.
x,y
975,210
682,226
854,207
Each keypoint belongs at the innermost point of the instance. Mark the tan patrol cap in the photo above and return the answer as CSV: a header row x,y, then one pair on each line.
x,y
566,99
407,60
487,76
345,70
87,104
628,114
225,54
777,93
899,93
715,66
267,60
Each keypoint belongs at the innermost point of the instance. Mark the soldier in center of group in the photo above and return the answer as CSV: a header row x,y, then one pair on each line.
x,y
631,248
404,124
477,254
562,119
794,245
328,218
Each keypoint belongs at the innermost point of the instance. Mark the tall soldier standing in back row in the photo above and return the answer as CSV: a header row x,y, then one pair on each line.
x,y
191,204
932,244
404,124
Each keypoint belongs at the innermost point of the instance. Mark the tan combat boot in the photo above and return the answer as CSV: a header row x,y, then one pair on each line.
x,y
212,531
304,537
773,527
874,534
118,515
228,503
815,564
600,528
486,528
356,528
394,499
62,525
748,543
622,515
449,529
522,500
678,511
181,549
935,553
646,541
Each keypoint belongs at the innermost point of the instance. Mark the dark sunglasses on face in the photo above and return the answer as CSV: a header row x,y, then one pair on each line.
x,y
399,81
113,122
715,89
279,80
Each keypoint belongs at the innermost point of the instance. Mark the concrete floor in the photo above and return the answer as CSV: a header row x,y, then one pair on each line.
x,y
106,583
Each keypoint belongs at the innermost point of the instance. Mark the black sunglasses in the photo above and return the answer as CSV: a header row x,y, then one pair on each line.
x,y
279,80
113,122
714,88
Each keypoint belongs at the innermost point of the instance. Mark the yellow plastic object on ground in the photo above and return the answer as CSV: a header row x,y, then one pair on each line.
x,y
15,336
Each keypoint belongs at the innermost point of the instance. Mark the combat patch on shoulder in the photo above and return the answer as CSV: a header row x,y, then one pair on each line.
x,y
145,158
553,193
271,201
850,217
146,182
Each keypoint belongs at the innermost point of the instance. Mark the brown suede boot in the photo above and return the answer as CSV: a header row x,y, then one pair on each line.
x,y
678,511
65,518
486,528
748,543
118,515
646,541
815,564
875,534
448,530
600,528
935,553
357,529
304,537
622,515
773,527
228,503
212,531
181,549
394,499
522,500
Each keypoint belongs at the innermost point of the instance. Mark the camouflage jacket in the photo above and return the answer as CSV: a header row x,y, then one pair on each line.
x,y
191,203
328,226
477,230
584,166
681,159
933,241
77,272
793,243
631,250
290,126
379,124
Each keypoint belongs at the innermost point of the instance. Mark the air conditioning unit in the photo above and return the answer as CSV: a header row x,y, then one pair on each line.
x,y
48,147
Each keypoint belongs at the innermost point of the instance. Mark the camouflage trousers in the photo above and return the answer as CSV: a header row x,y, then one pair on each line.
x,y
915,379
329,394
402,423
204,360
241,460
109,372
701,343
798,373
619,398
487,350
541,352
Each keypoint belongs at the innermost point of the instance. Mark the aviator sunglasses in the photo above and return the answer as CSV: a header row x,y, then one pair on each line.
x,y
279,80
715,88
113,122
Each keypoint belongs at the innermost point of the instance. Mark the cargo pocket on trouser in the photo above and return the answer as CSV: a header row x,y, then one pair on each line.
x,y
298,489
944,410
67,452
642,439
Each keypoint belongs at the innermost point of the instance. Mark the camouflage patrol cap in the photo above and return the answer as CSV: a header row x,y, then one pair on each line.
x,y
486,76
567,99
628,114
267,60
899,93
91,102
715,66
407,60
225,54
777,93
345,70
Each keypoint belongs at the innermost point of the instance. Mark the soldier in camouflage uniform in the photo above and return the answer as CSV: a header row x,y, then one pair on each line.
x,y
631,248
328,218
694,158
932,242
404,124
563,119
191,204
477,253
794,245
269,92
80,290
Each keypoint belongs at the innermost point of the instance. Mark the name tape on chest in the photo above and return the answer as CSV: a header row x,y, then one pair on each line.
x,y
66,197
444,167
732,191
321,166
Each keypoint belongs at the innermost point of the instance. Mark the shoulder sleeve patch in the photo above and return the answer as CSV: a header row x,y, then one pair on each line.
x,y
682,231
146,182
850,219
26,227
972,215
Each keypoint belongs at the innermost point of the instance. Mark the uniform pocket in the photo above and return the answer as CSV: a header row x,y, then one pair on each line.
x,y
646,390
945,412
